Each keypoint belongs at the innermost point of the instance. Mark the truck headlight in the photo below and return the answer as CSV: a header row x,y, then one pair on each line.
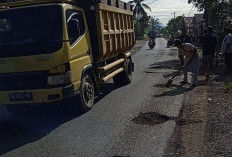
x,y
62,79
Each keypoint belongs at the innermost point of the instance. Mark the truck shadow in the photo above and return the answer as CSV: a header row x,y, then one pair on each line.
x,y
106,89
19,130
40,121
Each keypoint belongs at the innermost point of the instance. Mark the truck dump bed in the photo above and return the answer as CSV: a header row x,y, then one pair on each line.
x,y
116,28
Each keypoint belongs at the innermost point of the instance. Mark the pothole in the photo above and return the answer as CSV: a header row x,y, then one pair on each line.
x,y
150,118
171,54
154,118
156,67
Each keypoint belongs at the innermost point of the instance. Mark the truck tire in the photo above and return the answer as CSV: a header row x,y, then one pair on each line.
x,y
86,93
124,77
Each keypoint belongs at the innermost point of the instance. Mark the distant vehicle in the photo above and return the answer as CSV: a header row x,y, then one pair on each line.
x,y
151,42
151,33
159,36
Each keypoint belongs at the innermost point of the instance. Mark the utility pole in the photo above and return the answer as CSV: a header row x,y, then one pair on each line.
x,y
174,14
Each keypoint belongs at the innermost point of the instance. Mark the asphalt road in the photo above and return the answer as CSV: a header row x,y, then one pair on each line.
x,y
110,128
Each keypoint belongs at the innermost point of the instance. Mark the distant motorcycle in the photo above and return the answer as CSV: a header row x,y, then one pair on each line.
x,y
151,43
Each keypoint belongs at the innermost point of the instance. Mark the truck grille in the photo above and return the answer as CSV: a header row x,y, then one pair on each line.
x,y
24,80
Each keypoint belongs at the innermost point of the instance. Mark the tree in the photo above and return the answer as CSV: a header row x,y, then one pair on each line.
x,y
140,26
141,17
215,12
174,26
155,22
139,7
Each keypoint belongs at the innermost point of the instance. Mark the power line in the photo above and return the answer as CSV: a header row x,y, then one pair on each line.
x,y
148,3
190,10
193,11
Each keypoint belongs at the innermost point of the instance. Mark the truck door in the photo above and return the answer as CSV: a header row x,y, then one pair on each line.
x,y
80,49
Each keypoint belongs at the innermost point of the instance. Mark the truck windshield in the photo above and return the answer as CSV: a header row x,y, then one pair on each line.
x,y
30,30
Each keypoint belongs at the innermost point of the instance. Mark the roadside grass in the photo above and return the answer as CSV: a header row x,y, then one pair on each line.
x,y
229,85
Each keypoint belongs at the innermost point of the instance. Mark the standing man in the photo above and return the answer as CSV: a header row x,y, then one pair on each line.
x,y
190,52
226,50
184,38
209,46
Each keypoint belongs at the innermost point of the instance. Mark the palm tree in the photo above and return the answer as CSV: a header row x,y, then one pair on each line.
x,y
155,22
139,7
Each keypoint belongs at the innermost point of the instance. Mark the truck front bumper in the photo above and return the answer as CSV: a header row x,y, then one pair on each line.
x,y
36,96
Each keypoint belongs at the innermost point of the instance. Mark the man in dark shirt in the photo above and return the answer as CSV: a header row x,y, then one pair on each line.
x,y
209,46
185,38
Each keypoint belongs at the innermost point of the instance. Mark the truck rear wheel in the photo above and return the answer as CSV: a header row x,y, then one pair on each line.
x,y
87,93
124,77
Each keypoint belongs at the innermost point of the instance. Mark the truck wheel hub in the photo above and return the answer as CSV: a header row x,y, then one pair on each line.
x,y
88,90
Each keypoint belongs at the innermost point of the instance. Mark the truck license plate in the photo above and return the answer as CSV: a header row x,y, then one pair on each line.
x,y
26,96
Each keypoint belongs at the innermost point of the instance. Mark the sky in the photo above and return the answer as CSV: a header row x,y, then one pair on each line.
x,y
164,9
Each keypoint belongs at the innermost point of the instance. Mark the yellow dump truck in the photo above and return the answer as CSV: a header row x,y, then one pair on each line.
x,y
55,49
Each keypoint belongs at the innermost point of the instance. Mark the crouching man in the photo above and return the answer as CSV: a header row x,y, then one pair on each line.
x,y
188,51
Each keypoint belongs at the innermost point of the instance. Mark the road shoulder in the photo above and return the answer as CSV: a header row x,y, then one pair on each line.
x,y
204,125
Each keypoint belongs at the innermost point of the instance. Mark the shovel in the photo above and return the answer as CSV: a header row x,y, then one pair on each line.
x,y
177,73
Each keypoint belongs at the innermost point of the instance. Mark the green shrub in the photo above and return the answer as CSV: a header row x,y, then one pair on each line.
x,y
229,86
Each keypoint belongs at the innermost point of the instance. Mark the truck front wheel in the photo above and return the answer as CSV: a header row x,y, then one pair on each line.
x,y
124,77
86,93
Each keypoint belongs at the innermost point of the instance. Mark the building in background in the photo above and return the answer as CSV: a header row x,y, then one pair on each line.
x,y
188,22
198,25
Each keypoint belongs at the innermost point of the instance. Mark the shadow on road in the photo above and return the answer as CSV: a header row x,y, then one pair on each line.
x,y
174,91
41,120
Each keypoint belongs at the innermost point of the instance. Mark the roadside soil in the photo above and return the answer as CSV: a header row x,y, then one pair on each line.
x,y
204,127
